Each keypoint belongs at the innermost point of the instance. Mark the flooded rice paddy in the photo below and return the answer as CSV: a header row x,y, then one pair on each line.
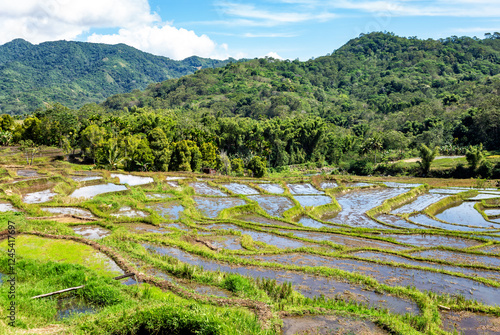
x,y
308,285
272,188
7,207
69,210
329,324
389,275
345,256
88,192
168,211
39,197
211,207
205,189
132,180
273,205
240,189
354,205
303,189
91,232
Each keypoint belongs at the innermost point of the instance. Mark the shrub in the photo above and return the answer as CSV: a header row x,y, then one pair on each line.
x,y
485,170
361,168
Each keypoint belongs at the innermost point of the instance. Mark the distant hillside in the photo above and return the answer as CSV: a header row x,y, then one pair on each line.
x,y
75,73
377,82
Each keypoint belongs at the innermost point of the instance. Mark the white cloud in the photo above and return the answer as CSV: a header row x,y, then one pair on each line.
x,y
250,15
165,40
48,20
42,20
274,55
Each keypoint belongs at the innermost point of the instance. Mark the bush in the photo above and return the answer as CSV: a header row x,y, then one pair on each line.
x,y
258,167
485,170
361,168
235,283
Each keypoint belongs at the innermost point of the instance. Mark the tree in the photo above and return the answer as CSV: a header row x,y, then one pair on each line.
x,y
91,138
474,156
237,166
223,163
427,155
5,137
258,166
30,149
208,154
160,147
372,144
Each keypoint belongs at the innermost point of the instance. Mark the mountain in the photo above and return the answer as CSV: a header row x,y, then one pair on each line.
x,y
425,89
76,73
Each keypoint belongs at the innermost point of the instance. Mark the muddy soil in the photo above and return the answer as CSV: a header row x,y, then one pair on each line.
x,y
469,323
329,324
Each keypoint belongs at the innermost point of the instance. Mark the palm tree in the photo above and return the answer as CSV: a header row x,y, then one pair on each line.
x,y
427,155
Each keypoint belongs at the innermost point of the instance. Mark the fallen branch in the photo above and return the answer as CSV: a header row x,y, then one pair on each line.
x,y
58,292
78,287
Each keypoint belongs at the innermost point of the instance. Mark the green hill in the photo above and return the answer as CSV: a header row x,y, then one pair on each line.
x,y
75,73
379,81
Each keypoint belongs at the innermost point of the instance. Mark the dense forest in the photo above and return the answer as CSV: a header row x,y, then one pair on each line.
x,y
376,98
75,73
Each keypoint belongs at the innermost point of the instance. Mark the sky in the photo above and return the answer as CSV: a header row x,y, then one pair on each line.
x,y
289,29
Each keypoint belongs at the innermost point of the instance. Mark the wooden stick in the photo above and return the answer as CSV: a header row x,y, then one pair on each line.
x,y
58,292
78,287
124,276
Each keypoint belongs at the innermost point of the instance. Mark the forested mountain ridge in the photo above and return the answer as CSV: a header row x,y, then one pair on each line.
x,y
75,73
380,81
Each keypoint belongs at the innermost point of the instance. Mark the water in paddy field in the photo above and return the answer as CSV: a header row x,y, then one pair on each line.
x,y
465,214
168,210
205,189
39,197
91,232
28,173
240,189
312,200
211,207
128,212
420,203
69,210
303,189
308,285
88,192
132,180
327,324
273,205
355,203
268,238
396,276
272,188
7,207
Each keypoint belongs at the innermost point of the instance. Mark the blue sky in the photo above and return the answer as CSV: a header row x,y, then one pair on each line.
x,y
232,28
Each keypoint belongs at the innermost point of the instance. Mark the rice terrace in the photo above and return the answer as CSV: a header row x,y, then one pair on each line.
x,y
196,253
